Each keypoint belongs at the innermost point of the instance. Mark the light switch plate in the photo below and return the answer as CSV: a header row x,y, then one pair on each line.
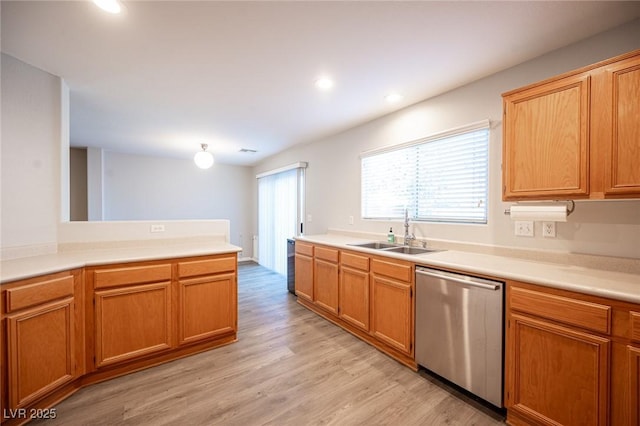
x,y
524,228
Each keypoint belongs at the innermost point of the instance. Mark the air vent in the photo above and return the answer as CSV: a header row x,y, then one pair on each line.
x,y
247,150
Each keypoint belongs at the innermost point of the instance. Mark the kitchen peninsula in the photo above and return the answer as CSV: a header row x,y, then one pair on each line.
x,y
100,308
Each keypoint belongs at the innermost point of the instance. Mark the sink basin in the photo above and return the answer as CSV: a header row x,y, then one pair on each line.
x,y
378,245
411,250
394,248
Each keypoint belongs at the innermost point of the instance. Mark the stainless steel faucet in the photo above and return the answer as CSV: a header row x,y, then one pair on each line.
x,y
407,237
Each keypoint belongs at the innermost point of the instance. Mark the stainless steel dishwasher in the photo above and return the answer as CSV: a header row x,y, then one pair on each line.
x,y
459,330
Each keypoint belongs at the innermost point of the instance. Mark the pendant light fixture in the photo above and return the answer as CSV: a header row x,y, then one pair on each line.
x,y
203,159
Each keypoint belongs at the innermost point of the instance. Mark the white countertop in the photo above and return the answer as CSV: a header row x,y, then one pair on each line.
x,y
614,285
27,267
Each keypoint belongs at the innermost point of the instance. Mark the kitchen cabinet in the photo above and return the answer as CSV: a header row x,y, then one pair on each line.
x,y
575,135
304,270
133,315
570,358
354,290
70,329
633,406
619,109
325,278
42,319
392,306
369,296
207,305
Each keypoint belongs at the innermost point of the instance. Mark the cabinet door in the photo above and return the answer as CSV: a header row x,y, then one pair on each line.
x,y
546,140
132,321
354,297
304,277
634,385
325,289
391,312
40,351
556,375
207,307
622,103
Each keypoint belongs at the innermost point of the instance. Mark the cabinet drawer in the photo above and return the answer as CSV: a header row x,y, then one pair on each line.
x,y
396,270
355,261
328,254
207,266
579,313
132,275
36,294
635,325
306,249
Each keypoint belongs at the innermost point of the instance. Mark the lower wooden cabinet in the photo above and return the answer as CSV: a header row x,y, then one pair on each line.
x,y
557,375
132,321
66,330
207,304
132,312
370,296
633,404
304,271
571,359
354,297
40,318
391,312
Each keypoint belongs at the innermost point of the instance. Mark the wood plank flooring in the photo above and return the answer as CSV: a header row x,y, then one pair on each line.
x,y
289,367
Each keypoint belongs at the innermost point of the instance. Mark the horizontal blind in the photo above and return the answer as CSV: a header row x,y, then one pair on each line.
x,y
443,179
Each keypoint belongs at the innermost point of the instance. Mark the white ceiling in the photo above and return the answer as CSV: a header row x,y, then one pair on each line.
x,y
165,76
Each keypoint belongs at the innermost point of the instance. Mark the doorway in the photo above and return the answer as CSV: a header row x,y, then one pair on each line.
x,y
280,213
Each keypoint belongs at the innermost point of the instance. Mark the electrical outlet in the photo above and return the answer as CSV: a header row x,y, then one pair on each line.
x,y
549,229
524,228
309,218
350,220
157,228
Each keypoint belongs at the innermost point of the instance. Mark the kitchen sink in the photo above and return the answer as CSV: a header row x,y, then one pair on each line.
x,y
410,250
394,248
378,245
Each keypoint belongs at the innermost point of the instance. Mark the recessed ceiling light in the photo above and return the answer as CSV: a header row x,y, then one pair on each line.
x,y
324,83
111,6
393,97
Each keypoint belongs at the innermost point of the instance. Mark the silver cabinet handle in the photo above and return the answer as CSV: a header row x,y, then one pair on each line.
x,y
460,280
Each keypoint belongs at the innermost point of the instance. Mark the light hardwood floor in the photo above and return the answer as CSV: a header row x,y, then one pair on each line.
x,y
289,367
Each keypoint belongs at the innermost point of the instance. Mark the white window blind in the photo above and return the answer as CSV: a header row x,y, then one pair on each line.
x,y
439,179
280,201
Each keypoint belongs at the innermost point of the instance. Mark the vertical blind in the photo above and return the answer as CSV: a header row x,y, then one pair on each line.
x,y
441,179
278,211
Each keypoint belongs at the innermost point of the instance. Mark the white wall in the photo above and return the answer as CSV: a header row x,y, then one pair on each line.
x,y
31,139
154,188
333,180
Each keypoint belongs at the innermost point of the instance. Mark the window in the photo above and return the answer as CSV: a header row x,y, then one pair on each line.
x,y
443,178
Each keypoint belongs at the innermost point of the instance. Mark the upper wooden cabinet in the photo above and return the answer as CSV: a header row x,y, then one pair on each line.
x,y
576,135
620,113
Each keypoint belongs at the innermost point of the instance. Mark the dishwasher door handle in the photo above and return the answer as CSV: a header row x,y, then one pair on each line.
x,y
459,280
